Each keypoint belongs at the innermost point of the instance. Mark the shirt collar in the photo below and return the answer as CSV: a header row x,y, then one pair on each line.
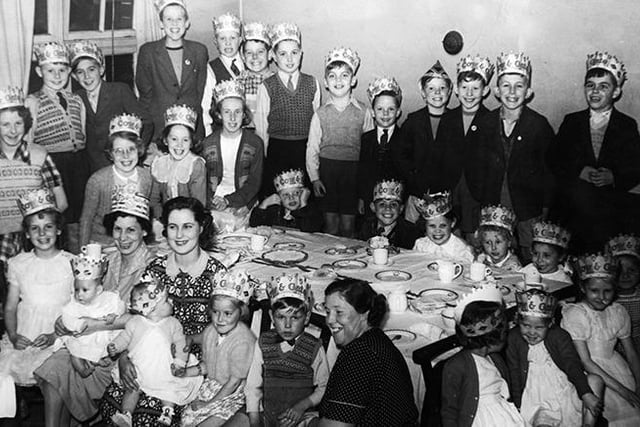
x,y
133,177
390,130
352,100
194,270
226,60
599,114
22,153
284,77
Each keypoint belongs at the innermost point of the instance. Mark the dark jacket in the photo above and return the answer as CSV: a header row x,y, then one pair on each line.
x,y
460,389
307,219
158,86
370,168
531,183
559,344
403,235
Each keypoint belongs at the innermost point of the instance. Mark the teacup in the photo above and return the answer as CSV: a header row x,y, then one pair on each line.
x,y
257,242
380,256
448,271
92,250
478,271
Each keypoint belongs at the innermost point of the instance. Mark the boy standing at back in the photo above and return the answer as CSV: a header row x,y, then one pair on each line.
x,y
333,150
171,70
286,102
457,140
512,163
415,156
597,157
227,32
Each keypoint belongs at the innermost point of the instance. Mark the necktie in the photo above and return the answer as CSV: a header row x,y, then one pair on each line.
x,y
234,68
384,139
290,83
279,339
62,100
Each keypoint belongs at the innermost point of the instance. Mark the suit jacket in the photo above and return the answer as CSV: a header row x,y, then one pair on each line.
x,y
531,183
369,170
158,86
114,98
403,235
414,156
308,219
620,150
455,152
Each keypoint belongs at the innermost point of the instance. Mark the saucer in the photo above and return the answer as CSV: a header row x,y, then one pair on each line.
x,y
288,245
400,336
374,265
350,264
393,276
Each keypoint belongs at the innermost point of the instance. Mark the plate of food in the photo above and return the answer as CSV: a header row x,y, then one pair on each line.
x,y
434,299
288,245
350,264
400,336
341,250
323,273
236,240
285,256
393,276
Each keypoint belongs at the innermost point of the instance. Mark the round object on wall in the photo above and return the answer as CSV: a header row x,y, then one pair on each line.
x,y
452,42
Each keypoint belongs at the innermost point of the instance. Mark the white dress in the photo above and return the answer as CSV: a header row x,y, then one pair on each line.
x,y
454,249
493,407
549,397
601,330
45,286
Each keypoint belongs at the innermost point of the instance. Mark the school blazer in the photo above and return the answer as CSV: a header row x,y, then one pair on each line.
x,y
158,86
114,98
531,183
620,150
368,171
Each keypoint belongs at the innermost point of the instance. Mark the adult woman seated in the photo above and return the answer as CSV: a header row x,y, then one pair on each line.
x,y
369,384
186,273
65,391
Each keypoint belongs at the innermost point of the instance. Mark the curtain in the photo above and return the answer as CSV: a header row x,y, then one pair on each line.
x,y
16,42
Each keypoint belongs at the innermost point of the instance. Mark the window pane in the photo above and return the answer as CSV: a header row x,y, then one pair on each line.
x,y
122,13
41,21
84,15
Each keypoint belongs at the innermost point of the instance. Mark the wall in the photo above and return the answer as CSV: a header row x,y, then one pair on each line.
x,y
403,38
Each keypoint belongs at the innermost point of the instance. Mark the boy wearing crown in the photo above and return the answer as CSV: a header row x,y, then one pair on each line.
x,y
549,251
458,139
227,34
415,155
285,104
102,100
376,161
495,235
596,157
289,372
387,206
290,206
333,149
512,168
59,126
171,70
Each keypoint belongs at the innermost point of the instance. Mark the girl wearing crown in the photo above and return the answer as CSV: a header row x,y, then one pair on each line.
x,y
234,158
495,234
547,377
227,349
440,219
180,172
40,284
124,148
474,387
549,247
289,206
596,324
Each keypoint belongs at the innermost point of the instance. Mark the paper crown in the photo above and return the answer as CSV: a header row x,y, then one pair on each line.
x,y
603,266
284,31
145,301
435,72
546,232
514,63
227,22
161,4
432,206
85,49
132,203
51,52
88,268
383,84
36,200
609,63
624,245
488,292
293,178
343,54
256,31
125,123
234,283
289,286
11,97
498,216
536,303
181,115
228,89
476,64
388,190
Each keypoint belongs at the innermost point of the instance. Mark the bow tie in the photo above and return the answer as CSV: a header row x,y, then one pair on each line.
x,y
279,339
